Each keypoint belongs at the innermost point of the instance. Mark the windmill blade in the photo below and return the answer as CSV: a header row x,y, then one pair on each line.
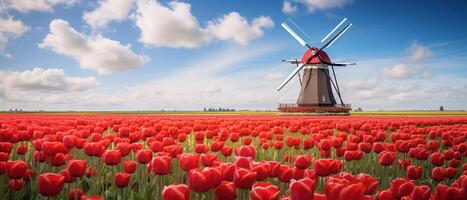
x,y
334,38
300,29
291,75
339,64
338,36
335,28
291,32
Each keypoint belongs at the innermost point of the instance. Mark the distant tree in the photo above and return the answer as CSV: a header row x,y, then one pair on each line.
x,y
204,109
359,109
441,108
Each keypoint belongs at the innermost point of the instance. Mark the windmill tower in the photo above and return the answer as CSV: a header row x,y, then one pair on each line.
x,y
317,84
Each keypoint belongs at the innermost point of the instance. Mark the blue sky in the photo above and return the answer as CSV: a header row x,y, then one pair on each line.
x,y
186,55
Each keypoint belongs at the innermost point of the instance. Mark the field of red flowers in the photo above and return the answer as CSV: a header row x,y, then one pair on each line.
x,y
177,157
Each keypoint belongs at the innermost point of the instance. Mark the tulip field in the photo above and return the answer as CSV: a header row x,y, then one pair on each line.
x,y
258,157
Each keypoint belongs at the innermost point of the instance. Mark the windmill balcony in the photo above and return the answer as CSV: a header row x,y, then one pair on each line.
x,y
314,108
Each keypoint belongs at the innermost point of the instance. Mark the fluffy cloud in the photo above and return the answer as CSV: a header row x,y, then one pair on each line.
x,y
98,53
175,26
172,26
25,6
107,11
324,4
418,53
40,79
288,7
399,71
10,28
234,26
411,66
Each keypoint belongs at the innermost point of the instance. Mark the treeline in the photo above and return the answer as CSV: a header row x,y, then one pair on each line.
x,y
218,109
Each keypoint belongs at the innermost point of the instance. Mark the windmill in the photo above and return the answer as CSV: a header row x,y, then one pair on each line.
x,y
317,84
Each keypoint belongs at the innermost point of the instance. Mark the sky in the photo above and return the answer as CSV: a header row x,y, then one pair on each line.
x,y
187,55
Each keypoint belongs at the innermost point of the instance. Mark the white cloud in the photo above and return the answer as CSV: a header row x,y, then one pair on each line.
x,y
418,53
412,65
399,71
25,6
97,52
172,26
10,29
107,11
16,83
324,4
175,26
234,26
288,7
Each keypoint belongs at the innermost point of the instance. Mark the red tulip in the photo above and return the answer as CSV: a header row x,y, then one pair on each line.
x,y
39,156
77,168
228,171
4,156
302,161
57,160
124,148
404,162
176,192
75,194
144,156
421,192
353,155
226,151
68,177
285,173
188,161
122,179
50,184
264,191
339,191
6,147
129,166
401,187
243,162
302,189
437,159
112,157
245,151
444,192
437,174
208,159
226,191
16,169
386,158
21,149
385,195
30,174
369,182
201,180
16,184
244,178
325,167
414,172
161,165
450,172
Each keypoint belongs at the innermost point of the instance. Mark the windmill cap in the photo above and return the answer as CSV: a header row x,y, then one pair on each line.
x,y
322,55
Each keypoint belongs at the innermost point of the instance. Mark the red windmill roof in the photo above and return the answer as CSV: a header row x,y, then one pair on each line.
x,y
322,55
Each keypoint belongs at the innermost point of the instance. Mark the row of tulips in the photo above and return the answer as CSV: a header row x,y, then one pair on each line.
x,y
232,157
